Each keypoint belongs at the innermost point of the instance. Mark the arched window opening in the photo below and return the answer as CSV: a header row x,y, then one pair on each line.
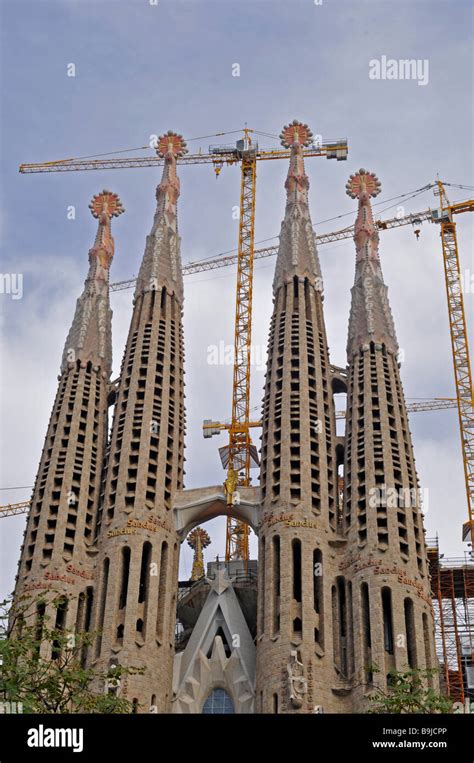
x,y
160,620
366,632
144,572
387,620
342,615
59,625
125,575
87,622
296,549
318,597
40,614
410,632
276,583
100,624
297,628
262,585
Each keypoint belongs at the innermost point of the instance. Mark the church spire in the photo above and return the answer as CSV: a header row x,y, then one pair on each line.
x,y
90,336
161,264
371,318
297,255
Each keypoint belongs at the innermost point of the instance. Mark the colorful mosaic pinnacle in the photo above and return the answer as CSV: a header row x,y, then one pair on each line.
x,y
363,182
172,143
296,132
107,203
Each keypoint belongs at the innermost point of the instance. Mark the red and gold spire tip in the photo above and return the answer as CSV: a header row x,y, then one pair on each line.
x,y
363,182
107,203
171,143
296,132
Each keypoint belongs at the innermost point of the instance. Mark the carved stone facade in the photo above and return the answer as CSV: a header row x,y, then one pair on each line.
x,y
343,581
219,654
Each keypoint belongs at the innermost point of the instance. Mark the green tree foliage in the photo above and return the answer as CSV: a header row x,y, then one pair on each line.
x,y
43,668
408,691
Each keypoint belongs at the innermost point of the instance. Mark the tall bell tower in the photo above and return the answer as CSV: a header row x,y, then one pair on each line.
x,y
386,561
137,567
299,474
58,555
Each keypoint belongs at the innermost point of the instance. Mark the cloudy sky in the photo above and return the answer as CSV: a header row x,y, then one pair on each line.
x,y
145,66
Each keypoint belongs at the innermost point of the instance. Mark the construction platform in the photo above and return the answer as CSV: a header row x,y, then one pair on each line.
x,y
452,583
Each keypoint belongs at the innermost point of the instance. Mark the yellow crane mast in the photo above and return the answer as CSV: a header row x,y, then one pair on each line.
x,y
12,509
459,343
239,452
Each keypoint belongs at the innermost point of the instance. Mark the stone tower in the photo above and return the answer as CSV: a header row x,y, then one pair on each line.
x,y
137,566
384,574
299,523
57,554
343,583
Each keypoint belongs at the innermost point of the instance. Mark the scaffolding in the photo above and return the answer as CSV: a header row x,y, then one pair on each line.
x,y
452,583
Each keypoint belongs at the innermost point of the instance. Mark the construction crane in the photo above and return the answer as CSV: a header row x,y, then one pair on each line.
x,y
240,454
237,457
459,343
201,266
457,320
12,509
220,155
428,404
